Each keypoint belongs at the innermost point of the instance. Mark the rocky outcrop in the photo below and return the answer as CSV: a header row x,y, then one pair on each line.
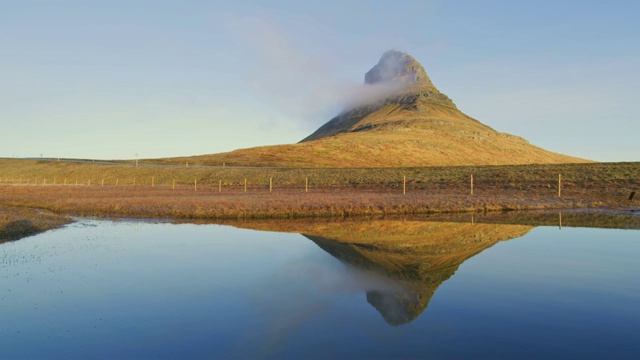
x,y
396,66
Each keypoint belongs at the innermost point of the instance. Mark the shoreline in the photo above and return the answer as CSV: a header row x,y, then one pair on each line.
x,y
26,211
27,221
20,222
165,203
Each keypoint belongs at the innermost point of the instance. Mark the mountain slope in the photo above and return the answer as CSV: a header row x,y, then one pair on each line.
x,y
411,124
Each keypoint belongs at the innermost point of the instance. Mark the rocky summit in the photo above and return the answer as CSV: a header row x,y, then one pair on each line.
x,y
411,90
396,66
409,123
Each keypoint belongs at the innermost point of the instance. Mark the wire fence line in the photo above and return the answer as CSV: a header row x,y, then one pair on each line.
x,y
461,185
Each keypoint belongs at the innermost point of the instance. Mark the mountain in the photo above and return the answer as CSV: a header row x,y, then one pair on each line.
x,y
408,122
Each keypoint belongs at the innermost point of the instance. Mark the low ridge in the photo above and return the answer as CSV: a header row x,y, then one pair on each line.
x,y
411,124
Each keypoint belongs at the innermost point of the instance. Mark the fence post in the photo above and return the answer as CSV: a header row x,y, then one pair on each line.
x,y
270,184
153,180
220,186
559,185
174,184
471,184
117,180
195,185
306,184
245,185
404,185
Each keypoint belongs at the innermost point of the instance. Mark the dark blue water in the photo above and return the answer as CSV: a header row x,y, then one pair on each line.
x,y
101,289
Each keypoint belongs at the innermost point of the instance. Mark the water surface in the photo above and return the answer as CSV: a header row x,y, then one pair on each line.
x,y
394,288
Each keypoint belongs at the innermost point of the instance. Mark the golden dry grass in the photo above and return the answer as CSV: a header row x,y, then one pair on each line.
x,y
396,136
332,192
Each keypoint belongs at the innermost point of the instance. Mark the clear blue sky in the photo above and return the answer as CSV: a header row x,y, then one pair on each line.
x,y
112,79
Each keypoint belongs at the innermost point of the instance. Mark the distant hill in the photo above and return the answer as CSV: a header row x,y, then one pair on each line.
x,y
409,123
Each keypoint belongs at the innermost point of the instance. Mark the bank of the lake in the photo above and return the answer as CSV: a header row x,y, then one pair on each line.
x,y
157,202
19,222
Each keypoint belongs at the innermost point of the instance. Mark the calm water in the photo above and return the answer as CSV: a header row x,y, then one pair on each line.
x,y
103,289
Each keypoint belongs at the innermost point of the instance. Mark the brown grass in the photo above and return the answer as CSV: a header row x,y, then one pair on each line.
x,y
185,203
332,192
395,135
16,223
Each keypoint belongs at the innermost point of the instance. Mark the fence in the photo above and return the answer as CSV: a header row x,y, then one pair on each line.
x,y
471,185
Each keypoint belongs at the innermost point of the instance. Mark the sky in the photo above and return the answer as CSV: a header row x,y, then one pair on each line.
x,y
151,78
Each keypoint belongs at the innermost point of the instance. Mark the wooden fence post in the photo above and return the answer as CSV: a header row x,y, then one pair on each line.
x,y
270,184
306,184
471,184
220,186
559,185
174,184
195,185
153,180
404,185
245,185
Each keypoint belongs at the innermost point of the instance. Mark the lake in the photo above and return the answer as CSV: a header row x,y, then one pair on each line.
x,y
424,288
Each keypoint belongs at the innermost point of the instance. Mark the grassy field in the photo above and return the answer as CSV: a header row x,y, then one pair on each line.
x,y
418,178
218,193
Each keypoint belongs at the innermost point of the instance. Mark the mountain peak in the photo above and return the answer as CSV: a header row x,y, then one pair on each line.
x,y
397,66
402,120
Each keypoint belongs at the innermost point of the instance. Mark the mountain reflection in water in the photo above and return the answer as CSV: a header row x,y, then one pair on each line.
x,y
416,256
420,254
123,289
